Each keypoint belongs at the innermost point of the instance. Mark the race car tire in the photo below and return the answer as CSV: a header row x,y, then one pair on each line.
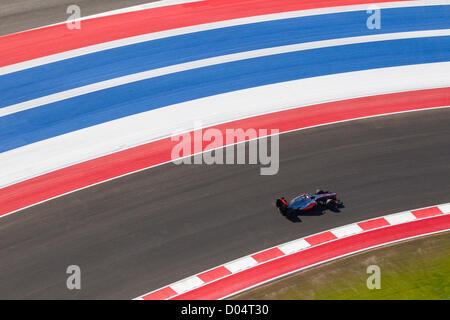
x,y
331,203
319,191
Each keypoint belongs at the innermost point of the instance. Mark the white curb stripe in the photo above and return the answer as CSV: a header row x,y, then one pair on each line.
x,y
400,218
187,284
445,208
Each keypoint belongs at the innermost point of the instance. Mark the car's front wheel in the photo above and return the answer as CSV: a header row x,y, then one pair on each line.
x,y
331,204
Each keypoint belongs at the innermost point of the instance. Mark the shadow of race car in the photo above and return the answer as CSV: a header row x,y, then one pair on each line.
x,y
306,202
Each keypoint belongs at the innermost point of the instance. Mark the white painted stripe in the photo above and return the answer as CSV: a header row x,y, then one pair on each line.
x,y
241,264
187,284
140,7
400,217
165,3
332,259
209,62
113,136
294,246
445,208
204,27
347,230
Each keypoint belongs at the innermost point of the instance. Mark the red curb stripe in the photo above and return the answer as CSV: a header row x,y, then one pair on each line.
x,y
46,41
306,258
320,238
214,274
373,224
428,212
162,294
268,255
60,182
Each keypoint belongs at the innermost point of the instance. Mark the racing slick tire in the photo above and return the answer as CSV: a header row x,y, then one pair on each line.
x,y
281,205
319,191
332,204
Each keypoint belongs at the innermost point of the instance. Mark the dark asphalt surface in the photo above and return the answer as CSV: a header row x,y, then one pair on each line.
x,y
149,229
20,15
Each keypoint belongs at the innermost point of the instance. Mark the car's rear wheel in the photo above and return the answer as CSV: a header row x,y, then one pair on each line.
x,y
331,204
319,191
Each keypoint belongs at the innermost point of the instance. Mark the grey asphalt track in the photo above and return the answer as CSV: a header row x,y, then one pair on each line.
x,y
20,15
149,229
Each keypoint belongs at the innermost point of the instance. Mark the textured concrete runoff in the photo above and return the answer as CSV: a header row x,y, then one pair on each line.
x,y
148,229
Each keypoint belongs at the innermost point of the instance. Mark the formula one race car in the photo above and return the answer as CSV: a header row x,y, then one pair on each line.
x,y
306,202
